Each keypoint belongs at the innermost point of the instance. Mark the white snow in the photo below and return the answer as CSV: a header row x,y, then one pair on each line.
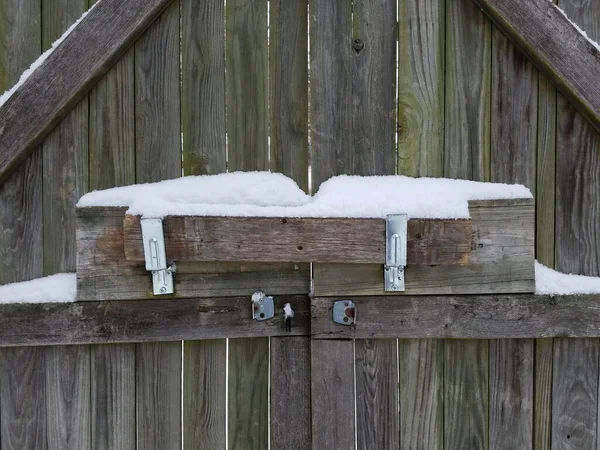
x,y
38,62
551,282
577,27
288,311
254,194
60,288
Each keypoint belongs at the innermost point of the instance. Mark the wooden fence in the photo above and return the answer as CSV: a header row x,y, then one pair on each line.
x,y
214,86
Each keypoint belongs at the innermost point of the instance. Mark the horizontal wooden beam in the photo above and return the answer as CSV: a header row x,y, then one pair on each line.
x,y
144,321
265,239
464,317
554,45
50,92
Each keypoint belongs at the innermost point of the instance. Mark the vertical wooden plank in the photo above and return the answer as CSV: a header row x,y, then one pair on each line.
x,y
468,92
421,87
113,396
203,86
290,393
575,394
288,86
542,421
511,394
466,402
332,390
247,84
248,406
421,363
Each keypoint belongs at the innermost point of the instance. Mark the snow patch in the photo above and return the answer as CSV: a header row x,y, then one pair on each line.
x,y
288,312
580,30
551,282
60,288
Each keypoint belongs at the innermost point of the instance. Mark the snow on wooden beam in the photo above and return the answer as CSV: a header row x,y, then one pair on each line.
x,y
567,57
68,73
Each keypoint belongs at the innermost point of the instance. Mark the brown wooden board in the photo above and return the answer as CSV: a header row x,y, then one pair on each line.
x,y
262,239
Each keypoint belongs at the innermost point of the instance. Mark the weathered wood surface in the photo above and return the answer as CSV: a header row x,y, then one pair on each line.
x,y
67,74
477,317
542,409
502,260
551,42
262,239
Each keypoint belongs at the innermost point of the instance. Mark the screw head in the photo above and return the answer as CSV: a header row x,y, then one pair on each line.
x,y
394,287
163,289
358,44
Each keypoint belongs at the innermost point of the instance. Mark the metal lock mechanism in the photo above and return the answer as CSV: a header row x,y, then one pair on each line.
x,y
155,256
344,312
396,229
263,306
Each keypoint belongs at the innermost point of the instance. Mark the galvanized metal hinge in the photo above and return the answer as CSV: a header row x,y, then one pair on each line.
x,y
156,257
396,229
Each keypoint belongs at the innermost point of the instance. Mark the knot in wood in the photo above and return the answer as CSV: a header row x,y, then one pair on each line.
x,y
358,44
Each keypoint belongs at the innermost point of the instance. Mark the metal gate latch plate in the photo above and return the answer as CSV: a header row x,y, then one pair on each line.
x,y
344,312
155,256
396,229
263,306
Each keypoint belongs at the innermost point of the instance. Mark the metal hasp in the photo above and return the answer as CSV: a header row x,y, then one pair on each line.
x,y
156,257
396,229
344,312
263,306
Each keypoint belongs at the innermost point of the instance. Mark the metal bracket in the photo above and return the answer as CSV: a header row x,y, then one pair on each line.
x,y
396,229
263,306
155,256
344,312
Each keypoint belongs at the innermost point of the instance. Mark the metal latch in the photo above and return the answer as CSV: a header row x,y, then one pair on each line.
x,y
344,312
396,229
263,307
155,256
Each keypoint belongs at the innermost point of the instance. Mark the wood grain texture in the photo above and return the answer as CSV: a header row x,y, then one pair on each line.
x,y
49,94
421,67
290,393
575,394
467,136
288,87
501,260
68,397
511,393
248,403
247,85
204,385
476,317
262,239
421,365
332,390
466,374
203,86
542,419
113,392
377,394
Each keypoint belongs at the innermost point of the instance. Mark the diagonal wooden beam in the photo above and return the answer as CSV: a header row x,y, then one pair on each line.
x,y
86,54
555,47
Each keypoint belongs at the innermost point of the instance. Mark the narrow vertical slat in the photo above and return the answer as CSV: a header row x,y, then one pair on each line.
x,y
511,394
466,402
542,420
421,363
248,406
468,91
332,392
421,44
203,86
247,84
290,393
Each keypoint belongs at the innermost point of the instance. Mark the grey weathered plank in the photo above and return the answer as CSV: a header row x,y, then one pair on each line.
x,y
466,415
575,394
247,85
377,394
264,239
290,392
477,317
467,136
113,396
288,86
542,410
248,403
158,395
421,87
204,383
421,365
511,393
332,390
68,397
203,86
68,73
501,260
